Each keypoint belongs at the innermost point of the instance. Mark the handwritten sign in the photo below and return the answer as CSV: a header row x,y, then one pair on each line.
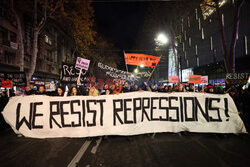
x,y
7,84
173,79
194,79
204,79
82,63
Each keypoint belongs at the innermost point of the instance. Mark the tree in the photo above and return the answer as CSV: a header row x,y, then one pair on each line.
x,y
19,37
229,53
77,14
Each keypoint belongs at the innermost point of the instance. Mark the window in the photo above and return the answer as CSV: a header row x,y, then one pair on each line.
x,y
198,61
202,33
48,40
199,23
246,51
211,43
189,41
196,50
196,14
183,46
207,9
222,19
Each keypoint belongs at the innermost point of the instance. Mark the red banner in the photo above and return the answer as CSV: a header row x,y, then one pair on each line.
x,y
173,79
7,84
141,59
194,79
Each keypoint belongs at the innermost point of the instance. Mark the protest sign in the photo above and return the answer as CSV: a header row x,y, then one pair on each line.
x,y
194,79
7,84
70,74
173,79
82,63
204,79
124,114
17,78
141,59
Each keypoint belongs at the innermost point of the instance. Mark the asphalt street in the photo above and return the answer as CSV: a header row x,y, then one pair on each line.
x,y
161,149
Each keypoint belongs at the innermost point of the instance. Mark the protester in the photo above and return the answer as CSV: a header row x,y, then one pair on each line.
x,y
191,87
28,91
107,92
41,90
125,88
105,87
4,99
135,88
165,89
181,88
74,91
93,91
59,91
210,89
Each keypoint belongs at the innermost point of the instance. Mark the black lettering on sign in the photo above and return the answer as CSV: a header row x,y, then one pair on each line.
x,y
186,99
152,107
144,106
137,108
83,113
62,103
210,107
226,109
101,109
23,120
52,113
116,110
126,109
91,111
176,109
34,126
181,106
204,113
73,112
164,108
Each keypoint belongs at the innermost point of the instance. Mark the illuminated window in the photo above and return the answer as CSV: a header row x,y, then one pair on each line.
x,y
222,19
196,50
199,23
207,9
48,40
196,14
202,33
189,41
211,43
246,51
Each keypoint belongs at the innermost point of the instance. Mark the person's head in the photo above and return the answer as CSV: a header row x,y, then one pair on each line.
x,y
210,89
117,84
27,88
4,93
126,84
136,87
180,87
166,87
191,86
73,90
92,89
41,89
60,90
106,86
107,91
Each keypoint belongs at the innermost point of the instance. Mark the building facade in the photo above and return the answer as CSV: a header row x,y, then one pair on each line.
x,y
200,46
54,45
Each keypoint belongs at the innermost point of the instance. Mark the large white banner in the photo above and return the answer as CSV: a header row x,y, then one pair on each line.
x,y
124,114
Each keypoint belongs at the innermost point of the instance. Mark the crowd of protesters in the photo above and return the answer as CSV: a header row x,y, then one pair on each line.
x,y
240,96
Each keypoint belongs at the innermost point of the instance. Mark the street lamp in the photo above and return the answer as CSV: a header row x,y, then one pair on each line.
x,y
161,39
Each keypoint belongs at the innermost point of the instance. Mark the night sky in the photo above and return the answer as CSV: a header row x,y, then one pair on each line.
x,y
120,22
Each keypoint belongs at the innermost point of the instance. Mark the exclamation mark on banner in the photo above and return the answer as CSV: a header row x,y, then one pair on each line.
x,y
226,109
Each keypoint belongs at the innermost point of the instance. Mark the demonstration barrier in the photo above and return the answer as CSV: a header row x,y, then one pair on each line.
x,y
123,114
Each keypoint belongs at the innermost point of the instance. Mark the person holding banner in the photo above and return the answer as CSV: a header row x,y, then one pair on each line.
x,y
74,91
28,91
93,91
181,88
41,90
59,91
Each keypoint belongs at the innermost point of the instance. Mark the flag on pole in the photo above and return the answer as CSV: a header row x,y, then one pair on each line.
x,y
141,59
